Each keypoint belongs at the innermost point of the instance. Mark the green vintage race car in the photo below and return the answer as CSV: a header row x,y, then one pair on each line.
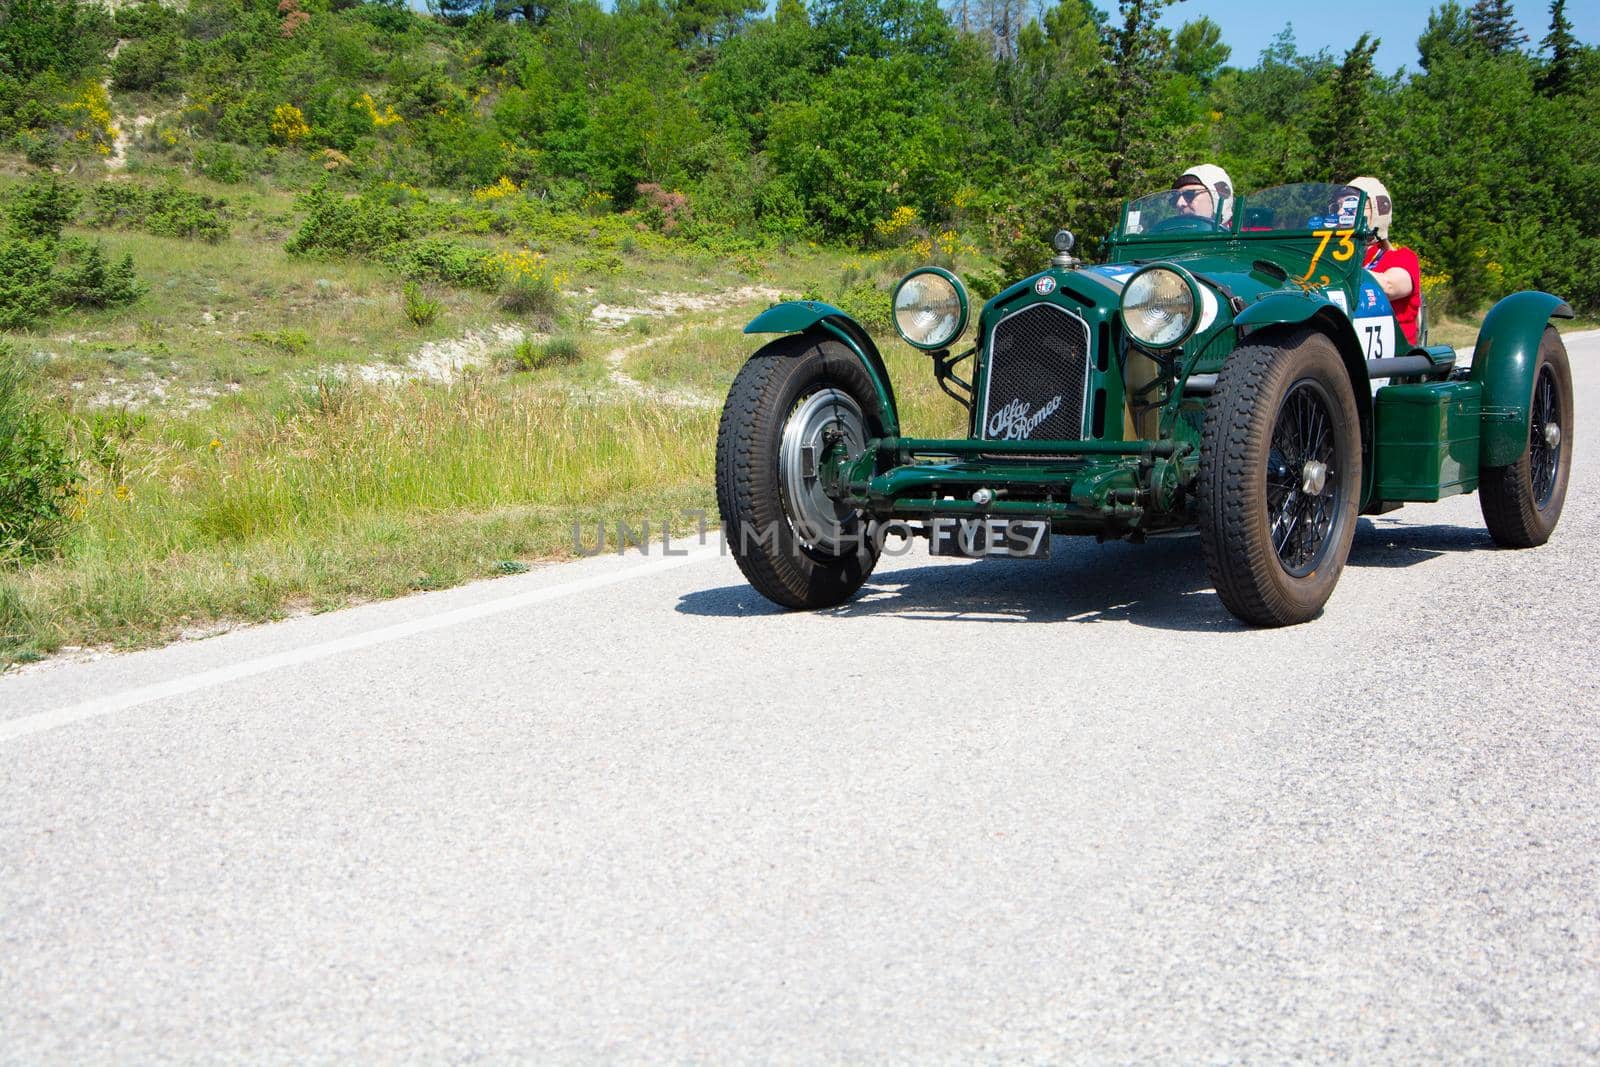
x,y
1238,374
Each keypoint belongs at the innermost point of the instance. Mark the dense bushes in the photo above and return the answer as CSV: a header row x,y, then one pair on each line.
x,y
84,278
40,208
437,259
337,225
40,271
26,285
164,210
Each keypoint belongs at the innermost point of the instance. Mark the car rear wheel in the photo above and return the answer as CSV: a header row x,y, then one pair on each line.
x,y
1522,502
1280,478
788,405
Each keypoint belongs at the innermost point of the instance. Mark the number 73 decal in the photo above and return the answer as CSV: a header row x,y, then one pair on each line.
x,y
1342,252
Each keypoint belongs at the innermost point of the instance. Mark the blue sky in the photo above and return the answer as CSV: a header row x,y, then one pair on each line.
x,y
1248,26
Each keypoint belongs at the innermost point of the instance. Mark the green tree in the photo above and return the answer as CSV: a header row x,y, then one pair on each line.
x,y
870,139
1563,49
1138,56
1495,27
1342,132
1199,51
1448,33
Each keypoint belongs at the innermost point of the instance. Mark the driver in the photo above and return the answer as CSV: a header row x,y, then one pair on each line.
x,y
1394,267
1199,189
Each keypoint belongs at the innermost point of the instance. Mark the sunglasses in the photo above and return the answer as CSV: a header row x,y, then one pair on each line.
x,y
1187,196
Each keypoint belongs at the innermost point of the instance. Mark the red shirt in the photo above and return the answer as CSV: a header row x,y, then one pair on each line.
x,y
1405,307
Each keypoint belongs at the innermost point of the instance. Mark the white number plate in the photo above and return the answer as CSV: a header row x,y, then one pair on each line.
x,y
988,536
1376,334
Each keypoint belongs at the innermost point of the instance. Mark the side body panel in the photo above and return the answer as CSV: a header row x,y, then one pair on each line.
x,y
1426,440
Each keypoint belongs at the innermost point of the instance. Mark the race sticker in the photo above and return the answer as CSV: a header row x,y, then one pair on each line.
x,y
1373,319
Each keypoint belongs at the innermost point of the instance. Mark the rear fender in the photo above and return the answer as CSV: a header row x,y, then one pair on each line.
x,y
824,320
1283,311
1504,363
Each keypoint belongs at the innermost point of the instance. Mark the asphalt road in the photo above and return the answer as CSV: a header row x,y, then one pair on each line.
x,y
622,810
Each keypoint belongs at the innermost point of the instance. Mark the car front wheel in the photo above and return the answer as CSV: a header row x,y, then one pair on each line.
x,y
792,402
1280,478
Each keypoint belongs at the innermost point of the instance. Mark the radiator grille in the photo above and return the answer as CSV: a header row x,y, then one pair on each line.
x,y
1038,368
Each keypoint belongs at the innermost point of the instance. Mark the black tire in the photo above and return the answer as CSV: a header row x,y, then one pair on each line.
x,y
1275,548
788,561
1522,502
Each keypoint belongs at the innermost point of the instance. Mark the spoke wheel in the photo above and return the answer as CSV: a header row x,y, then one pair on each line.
x,y
1522,501
1544,437
1280,478
1302,478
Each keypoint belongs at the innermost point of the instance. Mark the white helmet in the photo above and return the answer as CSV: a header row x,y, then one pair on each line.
x,y
1382,205
1215,178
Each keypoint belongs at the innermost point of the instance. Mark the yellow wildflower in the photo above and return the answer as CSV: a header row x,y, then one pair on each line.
x,y
289,124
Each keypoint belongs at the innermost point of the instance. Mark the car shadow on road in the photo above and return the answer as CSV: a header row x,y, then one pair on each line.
x,y
1391,543
1160,584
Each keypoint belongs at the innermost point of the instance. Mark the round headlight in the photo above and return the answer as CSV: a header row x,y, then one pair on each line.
x,y
930,307
1158,307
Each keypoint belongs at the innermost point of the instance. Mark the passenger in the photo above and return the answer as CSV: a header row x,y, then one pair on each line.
x,y
1394,267
1199,190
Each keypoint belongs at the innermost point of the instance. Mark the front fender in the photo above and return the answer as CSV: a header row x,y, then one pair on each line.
x,y
1506,358
814,316
1292,309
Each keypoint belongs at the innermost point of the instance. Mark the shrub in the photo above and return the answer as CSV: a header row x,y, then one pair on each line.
x,y
294,342
87,280
25,281
436,259
220,163
421,310
39,209
289,125
164,210
37,478
867,304
529,285
337,226
152,64
663,210
556,351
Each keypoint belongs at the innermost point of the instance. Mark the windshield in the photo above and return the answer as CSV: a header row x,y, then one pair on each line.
x,y
1193,209
1303,206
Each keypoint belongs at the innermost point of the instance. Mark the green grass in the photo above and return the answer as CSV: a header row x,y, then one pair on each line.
x,y
351,492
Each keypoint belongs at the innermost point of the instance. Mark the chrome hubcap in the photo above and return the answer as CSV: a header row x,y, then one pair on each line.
x,y
1552,435
1313,477
817,519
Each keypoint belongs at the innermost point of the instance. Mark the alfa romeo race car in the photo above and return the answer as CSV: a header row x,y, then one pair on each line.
x,y
1240,374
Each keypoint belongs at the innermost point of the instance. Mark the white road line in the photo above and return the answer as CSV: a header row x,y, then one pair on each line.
x,y
91,709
